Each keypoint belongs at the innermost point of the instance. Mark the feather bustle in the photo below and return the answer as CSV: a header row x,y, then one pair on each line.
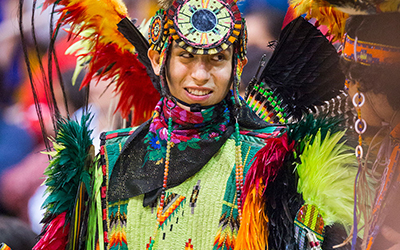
x,y
267,162
303,64
68,169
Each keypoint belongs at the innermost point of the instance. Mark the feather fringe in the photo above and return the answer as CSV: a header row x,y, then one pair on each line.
x,y
253,232
326,177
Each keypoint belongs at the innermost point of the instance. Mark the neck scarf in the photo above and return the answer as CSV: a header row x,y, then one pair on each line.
x,y
196,137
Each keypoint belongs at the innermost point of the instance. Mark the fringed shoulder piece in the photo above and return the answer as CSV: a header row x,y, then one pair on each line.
x,y
326,177
107,54
68,175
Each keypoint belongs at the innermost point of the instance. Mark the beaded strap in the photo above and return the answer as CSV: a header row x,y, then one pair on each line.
x,y
267,106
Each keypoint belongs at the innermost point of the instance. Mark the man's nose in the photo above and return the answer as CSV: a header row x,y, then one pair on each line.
x,y
201,72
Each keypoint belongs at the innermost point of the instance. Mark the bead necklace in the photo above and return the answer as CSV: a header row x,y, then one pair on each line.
x,y
239,170
239,179
150,245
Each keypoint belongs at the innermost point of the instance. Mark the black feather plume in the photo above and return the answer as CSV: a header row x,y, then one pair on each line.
x,y
304,68
133,35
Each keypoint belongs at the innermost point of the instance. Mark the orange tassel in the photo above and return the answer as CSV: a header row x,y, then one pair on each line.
x,y
253,231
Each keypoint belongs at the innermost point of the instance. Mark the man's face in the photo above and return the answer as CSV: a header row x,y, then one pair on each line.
x,y
202,79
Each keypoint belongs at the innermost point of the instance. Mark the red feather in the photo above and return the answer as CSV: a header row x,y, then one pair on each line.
x,y
132,84
56,235
267,163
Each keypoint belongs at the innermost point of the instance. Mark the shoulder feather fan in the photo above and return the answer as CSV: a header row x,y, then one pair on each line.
x,y
304,68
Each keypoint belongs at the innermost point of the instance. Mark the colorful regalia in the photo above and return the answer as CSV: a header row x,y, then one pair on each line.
x,y
215,177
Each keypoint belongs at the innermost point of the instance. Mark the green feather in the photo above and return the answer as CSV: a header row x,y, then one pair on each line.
x,y
95,220
69,165
326,177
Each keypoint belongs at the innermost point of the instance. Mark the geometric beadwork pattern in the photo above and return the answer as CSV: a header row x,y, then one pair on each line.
x,y
369,53
227,233
173,203
117,228
194,196
308,219
188,245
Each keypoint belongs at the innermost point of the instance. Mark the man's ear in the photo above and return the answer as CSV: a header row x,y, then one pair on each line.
x,y
245,61
154,57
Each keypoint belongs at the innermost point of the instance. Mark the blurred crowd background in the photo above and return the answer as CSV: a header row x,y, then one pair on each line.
x,y
21,141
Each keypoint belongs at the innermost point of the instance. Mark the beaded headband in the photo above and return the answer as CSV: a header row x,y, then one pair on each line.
x,y
199,26
367,53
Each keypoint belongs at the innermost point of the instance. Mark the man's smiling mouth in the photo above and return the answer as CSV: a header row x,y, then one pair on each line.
x,y
198,92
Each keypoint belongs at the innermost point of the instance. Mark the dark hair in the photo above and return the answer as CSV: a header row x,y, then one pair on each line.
x,y
382,29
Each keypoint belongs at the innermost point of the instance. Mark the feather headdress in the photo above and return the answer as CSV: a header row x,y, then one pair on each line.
x,y
334,13
107,54
165,4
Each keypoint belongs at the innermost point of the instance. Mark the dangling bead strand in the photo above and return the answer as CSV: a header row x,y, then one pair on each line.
x,y
239,170
149,246
360,125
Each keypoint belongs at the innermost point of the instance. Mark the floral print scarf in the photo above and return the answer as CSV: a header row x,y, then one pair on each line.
x,y
190,129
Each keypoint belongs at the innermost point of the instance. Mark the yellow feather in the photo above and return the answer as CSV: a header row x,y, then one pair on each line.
x,y
390,6
103,17
325,14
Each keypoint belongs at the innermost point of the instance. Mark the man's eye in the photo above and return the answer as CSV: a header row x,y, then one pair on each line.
x,y
186,55
218,57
